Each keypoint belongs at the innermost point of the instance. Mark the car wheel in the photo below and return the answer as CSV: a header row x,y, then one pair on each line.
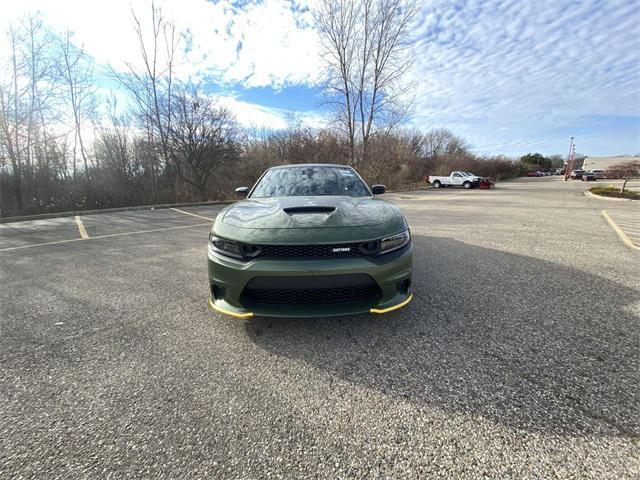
x,y
436,184
466,185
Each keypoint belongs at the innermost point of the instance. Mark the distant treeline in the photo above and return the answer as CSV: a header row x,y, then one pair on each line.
x,y
126,169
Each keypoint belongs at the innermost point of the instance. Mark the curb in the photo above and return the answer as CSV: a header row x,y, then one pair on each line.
x,y
602,197
407,190
44,216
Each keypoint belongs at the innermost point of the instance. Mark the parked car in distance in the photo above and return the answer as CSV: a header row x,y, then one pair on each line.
x,y
455,179
588,177
576,175
535,174
598,173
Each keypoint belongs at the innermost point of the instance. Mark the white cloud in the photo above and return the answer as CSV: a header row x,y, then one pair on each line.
x,y
259,44
531,67
509,75
268,43
254,115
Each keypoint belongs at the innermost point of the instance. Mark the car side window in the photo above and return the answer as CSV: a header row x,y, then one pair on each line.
x,y
457,175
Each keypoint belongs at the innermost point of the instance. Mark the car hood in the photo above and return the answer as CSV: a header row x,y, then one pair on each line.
x,y
309,219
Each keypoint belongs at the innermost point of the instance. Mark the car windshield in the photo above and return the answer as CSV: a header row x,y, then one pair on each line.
x,y
310,181
467,174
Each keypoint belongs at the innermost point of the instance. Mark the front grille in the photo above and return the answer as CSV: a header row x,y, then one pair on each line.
x,y
321,290
340,250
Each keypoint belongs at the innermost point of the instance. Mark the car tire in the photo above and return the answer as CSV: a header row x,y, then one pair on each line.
x,y
436,184
467,185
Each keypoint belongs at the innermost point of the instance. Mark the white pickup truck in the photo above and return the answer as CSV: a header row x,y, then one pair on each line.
x,y
455,179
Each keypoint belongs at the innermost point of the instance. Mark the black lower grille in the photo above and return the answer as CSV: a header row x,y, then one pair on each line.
x,y
366,249
322,290
325,296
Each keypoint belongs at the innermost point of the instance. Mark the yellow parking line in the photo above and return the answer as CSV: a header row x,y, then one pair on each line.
x,y
103,236
193,214
83,231
623,236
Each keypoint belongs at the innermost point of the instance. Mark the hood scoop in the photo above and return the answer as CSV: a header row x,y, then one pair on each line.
x,y
308,209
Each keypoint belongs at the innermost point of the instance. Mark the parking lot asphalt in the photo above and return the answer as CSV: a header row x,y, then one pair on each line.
x,y
517,358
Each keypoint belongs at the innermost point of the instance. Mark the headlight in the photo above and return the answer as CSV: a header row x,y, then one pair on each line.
x,y
241,251
226,247
395,242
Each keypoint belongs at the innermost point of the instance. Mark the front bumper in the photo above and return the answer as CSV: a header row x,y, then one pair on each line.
x,y
390,274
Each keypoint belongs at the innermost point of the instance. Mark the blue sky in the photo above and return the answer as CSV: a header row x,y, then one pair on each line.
x,y
510,76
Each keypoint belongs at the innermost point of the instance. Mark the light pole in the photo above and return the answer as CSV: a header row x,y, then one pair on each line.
x,y
569,164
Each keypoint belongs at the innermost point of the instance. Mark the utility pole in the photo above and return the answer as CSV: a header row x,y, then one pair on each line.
x,y
569,163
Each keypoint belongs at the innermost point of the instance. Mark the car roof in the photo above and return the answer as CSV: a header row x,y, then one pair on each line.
x,y
309,165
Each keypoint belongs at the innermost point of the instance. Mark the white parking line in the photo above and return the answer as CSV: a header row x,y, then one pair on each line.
x,y
103,236
83,231
623,236
193,214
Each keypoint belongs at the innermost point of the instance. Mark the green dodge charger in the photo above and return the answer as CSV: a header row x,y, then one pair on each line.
x,y
309,241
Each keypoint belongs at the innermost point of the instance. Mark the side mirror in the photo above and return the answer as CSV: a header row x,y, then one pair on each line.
x,y
378,189
242,191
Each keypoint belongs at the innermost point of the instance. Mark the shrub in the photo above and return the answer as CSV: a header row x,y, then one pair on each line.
x,y
612,191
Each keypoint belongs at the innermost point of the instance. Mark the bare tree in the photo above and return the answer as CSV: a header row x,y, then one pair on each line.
x,y
626,171
75,73
365,45
12,118
152,87
202,137
435,143
439,150
27,91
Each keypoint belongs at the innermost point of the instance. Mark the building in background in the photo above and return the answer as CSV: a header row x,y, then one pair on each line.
x,y
605,163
